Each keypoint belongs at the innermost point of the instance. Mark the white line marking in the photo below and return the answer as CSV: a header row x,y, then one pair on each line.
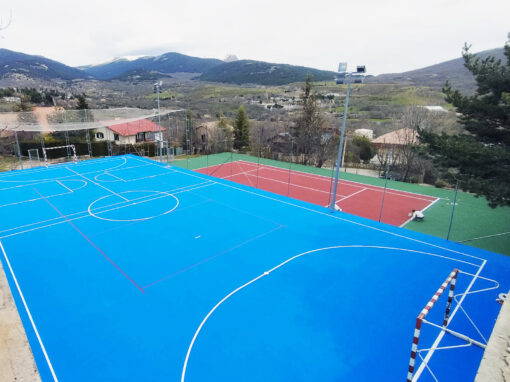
x,y
100,210
49,196
266,273
165,194
63,165
63,185
36,182
115,176
353,183
351,195
97,184
29,314
231,176
426,208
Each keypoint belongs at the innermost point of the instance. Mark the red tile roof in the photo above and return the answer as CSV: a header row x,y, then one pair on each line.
x,y
133,128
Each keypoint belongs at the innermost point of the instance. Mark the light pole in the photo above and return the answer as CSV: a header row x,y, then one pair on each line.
x,y
348,77
388,159
157,89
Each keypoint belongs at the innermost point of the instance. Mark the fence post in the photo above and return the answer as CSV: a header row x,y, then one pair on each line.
x,y
18,149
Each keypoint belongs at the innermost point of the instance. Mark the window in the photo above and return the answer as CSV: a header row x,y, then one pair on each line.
x,y
116,137
99,135
203,137
140,137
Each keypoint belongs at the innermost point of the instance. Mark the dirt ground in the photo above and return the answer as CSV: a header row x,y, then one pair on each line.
x,y
16,359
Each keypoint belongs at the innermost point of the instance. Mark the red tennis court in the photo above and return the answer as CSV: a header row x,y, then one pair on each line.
x,y
354,198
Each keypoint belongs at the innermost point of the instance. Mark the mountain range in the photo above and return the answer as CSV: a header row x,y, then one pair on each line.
x,y
436,75
15,65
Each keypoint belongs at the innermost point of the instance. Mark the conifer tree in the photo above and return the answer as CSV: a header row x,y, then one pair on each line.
x,y
479,159
241,130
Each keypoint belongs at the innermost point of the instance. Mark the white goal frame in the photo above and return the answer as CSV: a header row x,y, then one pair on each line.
x,y
74,156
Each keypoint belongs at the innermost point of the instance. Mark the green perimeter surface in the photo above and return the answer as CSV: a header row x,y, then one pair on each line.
x,y
473,217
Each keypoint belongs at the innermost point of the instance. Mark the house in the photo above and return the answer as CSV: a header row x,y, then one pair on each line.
x,y
129,133
209,136
395,139
281,143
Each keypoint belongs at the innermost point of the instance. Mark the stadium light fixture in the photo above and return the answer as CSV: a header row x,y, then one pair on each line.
x,y
345,77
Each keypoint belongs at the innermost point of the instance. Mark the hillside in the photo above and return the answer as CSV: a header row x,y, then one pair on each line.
x,y
137,75
167,63
15,64
436,75
262,73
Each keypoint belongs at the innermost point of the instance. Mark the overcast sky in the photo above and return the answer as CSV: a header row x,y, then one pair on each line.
x,y
386,36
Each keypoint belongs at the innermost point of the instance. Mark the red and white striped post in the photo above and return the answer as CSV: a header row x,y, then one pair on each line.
x,y
419,320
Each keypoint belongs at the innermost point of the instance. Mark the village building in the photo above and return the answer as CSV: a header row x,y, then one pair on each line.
x,y
129,133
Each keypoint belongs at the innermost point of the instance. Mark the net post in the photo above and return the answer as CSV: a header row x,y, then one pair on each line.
x,y
68,152
75,157
451,279
42,140
231,164
45,157
18,149
450,297
89,144
414,348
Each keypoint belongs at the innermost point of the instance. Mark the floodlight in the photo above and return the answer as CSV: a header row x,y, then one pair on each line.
x,y
361,69
342,67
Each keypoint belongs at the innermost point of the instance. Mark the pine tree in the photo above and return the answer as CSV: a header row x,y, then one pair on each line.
x,y
478,159
241,130
308,128
82,103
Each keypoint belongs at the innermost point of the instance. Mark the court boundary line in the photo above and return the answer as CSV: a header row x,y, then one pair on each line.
x,y
29,314
280,265
357,184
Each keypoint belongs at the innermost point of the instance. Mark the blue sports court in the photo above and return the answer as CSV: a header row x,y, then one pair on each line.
x,y
124,269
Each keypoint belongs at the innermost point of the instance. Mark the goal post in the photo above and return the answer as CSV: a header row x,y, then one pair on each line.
x,y
450,280
33,157
69,149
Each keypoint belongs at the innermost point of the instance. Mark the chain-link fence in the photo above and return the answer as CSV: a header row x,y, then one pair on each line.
x,y
277,158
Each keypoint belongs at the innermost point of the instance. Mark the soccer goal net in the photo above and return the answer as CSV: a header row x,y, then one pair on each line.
x,y
449,312
53,155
